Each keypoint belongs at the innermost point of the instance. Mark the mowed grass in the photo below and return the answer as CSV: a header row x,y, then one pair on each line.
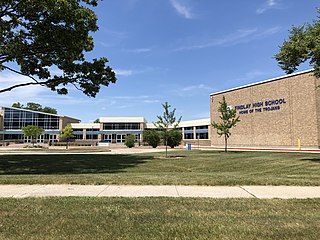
x,y
158,218
193,168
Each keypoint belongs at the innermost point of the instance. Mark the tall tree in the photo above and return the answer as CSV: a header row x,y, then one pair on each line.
x,y
47,39
67,135
49,110
32,131
302,45
228,120
17,105
166,122
35,107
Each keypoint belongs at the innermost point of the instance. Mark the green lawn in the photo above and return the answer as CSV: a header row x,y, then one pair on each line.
x,y
158,218
195,168
60,150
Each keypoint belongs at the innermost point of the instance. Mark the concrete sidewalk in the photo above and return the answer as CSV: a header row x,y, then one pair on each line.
x,y
261,192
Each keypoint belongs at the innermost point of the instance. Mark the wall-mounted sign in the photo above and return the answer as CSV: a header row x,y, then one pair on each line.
x,y
261,106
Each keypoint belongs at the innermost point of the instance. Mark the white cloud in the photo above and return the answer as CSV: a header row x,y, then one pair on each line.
x,y
129,72
196,87
238,37
182,8
123,72
267,5
150,101
251,75
104,44
22,94
139,50
192,90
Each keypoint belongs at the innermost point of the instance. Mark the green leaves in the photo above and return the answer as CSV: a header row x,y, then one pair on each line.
x,y
168,118
35,107
152,137
302,45
67,135
41,35
228,120
32,131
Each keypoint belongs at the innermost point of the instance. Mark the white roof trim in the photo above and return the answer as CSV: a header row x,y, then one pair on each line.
x,y
261,82
122,120
85,125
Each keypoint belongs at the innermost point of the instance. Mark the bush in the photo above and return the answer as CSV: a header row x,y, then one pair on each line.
x,y
152,137
129,142
174,138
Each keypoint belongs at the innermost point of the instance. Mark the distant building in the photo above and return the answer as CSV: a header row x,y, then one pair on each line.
x,y
111,129
279,112
115,129
193,131
13,119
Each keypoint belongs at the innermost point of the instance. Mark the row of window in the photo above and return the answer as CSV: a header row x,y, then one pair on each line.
x,y
198,136
17,119
121,126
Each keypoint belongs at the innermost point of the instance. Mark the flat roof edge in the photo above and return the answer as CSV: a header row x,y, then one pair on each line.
x,y
264,81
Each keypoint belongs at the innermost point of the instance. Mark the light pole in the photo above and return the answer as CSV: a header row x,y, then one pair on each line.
x,y
198,141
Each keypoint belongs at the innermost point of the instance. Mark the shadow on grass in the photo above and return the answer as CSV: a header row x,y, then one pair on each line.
x,y
68,164
316,160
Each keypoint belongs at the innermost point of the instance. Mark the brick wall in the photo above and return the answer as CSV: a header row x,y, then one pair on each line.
x,y
295,115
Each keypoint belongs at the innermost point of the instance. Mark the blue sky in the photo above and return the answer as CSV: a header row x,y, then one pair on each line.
x,y
178,51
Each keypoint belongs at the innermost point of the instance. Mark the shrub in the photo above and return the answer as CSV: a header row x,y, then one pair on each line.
x,y
174,138
152,137
130,139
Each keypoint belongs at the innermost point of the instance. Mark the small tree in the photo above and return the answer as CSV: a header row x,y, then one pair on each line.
x,y
96,121
130,139
165,121
67,135
174,138
229,120
152,137
33,132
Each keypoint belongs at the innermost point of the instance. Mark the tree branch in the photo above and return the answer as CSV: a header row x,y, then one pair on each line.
x,y
76,87
22,85
15,71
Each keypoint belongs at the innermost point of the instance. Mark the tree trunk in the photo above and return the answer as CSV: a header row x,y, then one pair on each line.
x,y
225,143
166,148
67,145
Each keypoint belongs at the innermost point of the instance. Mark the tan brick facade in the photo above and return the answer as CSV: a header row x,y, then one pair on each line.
x,y
273,113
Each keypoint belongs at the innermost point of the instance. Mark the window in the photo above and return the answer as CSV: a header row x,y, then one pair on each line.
x,y
202,136
17,119
121,126
188,136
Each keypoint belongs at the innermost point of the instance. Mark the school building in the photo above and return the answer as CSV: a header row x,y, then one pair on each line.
x,y
12,120
279,112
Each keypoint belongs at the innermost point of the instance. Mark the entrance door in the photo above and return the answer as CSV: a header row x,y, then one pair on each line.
x,y
114,138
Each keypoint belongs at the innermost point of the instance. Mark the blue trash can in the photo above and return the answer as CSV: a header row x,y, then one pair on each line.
x,y
189,146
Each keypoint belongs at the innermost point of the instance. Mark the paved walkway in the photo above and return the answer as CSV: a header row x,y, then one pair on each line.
x,y
261,192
